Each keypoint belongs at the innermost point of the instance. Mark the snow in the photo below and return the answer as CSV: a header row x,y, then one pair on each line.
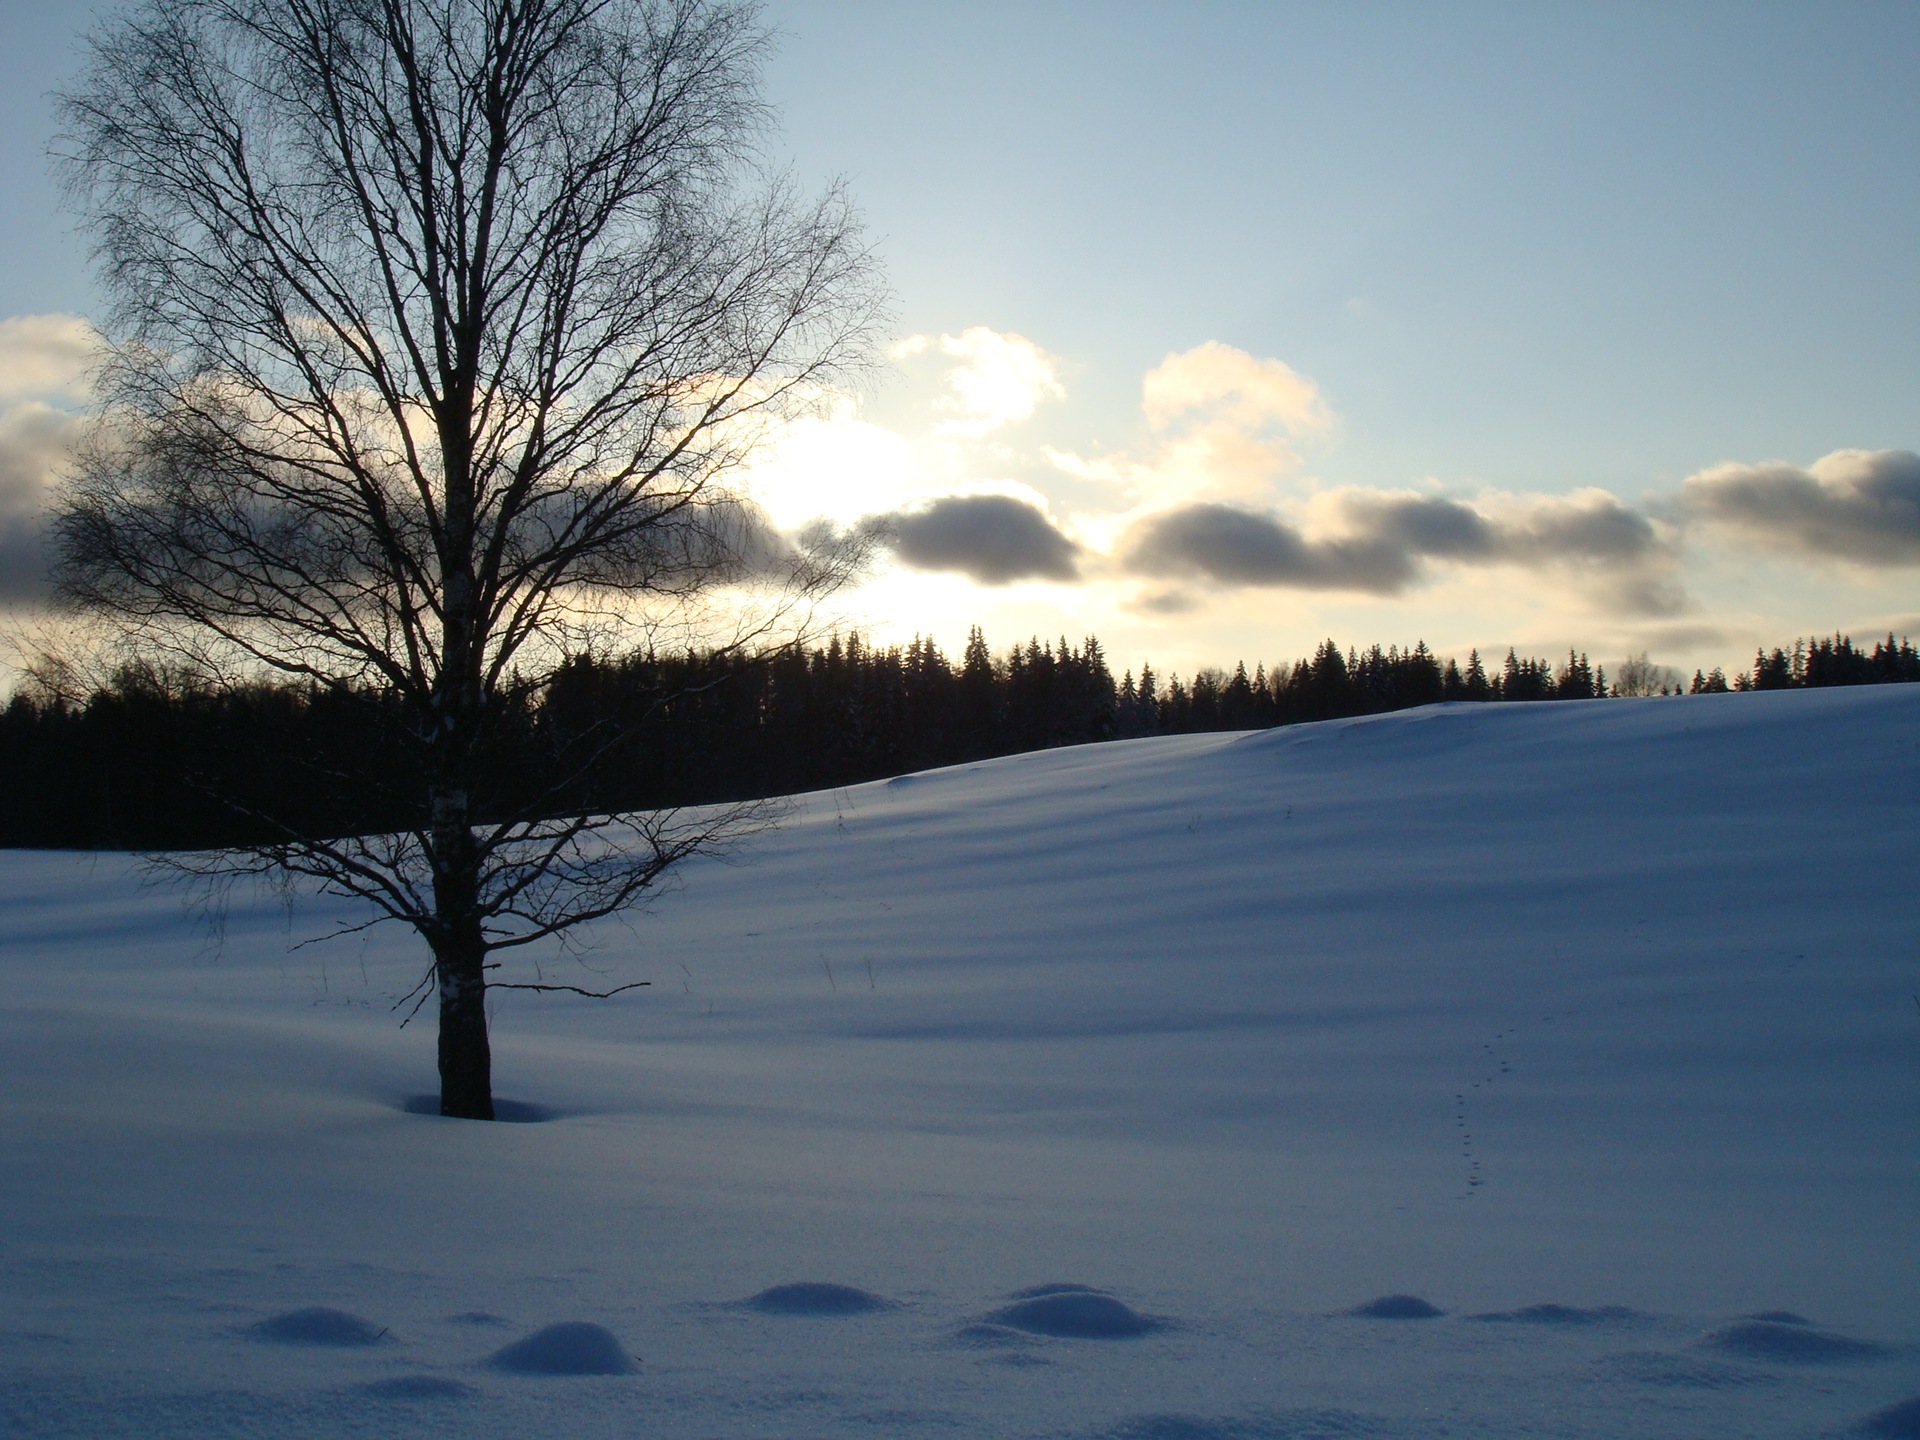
x,y
1398,1307
319,1325
1074,1312
1589,1027
814,1297
572,1347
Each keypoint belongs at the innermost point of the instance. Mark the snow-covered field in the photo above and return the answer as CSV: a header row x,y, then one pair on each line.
x,y
1593,1026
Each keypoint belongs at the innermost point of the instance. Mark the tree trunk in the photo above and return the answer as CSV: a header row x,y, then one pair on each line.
x,y
460,953
466,1058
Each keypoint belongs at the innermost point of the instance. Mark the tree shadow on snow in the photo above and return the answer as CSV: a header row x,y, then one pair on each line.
x,y
510,1112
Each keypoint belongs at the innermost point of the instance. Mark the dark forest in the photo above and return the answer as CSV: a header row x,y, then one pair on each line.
x,y
153,759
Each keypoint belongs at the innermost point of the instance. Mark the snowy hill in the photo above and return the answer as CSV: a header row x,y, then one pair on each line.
x,y
1589,1025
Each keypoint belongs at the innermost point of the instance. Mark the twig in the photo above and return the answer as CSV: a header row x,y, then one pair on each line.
x,y
424,990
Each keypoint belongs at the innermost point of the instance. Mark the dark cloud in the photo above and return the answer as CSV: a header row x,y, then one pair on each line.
x,y
1646,590
1859,505
23,574
34,440
1384,538
1165,602
1587,527
1423,525
995,539
1243,547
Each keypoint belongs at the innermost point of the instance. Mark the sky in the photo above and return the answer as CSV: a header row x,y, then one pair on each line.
x,y
1220,329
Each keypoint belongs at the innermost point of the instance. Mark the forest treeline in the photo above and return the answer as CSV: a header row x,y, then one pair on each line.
x,y
155,759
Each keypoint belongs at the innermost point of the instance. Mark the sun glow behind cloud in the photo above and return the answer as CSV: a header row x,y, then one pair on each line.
x,y
997,379
1209,536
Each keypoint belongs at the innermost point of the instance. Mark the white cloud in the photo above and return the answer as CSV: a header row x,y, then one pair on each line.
x,y
1227,427
1219,384
1001,378
34,439
45,356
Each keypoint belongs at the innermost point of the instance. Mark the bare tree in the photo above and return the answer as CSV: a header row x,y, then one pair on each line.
x,y
437,328
1639,676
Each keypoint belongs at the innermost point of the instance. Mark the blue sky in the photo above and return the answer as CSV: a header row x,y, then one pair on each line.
x,y
1520,258
1508,238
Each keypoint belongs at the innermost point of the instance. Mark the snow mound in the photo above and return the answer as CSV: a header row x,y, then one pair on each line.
x,y
1397,1307
1077,1314
1792,1344
417,1387
1550,1314
1058,1287
1900,1421
319,1325
815,1297
572,1347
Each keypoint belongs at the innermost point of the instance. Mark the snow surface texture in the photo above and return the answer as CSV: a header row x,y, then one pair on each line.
x,y
1143,1091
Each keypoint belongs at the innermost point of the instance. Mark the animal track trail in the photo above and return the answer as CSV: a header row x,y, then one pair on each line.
x,y
1496,1065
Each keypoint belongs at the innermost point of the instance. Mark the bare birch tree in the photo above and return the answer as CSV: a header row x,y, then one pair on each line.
x,y
437,329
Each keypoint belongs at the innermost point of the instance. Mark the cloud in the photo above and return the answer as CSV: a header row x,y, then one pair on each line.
x,y
34,442
835,465
45,356
994,539
1217,383
1211,502
1375,542
22,559
1687,635
1164,603
1243,547
1418,524
1001,378
1588,525
1226,426
1857,505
